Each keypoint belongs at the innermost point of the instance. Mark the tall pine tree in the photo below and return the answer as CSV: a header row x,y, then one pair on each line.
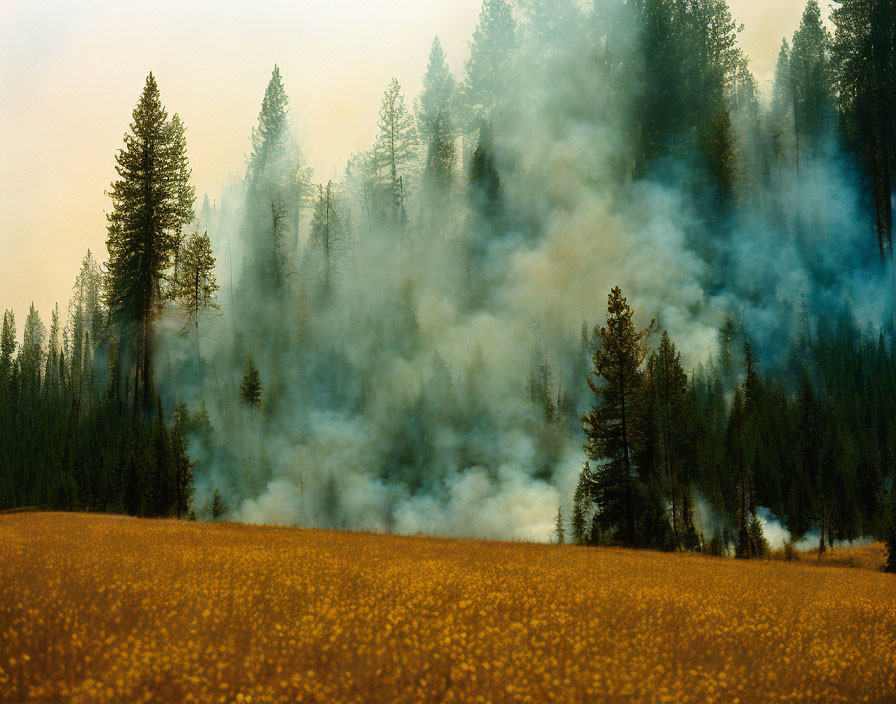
x,y
394,152
150,206
613,426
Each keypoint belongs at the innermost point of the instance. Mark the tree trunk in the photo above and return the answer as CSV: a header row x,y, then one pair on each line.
x,y
137,368
879,182
744,533
673,484
198,355
147,363
667,455
629,507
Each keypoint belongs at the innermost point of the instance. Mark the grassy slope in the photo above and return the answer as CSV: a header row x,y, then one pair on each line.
x,y
112,609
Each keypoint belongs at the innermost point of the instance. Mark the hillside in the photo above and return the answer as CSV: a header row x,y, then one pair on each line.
x,y
112,609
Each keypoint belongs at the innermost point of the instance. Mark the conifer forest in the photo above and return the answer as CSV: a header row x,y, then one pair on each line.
x,y
593,284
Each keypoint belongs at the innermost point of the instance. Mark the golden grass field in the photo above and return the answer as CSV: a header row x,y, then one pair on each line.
x,y
112,609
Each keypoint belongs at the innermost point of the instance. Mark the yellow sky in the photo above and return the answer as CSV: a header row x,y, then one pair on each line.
x,y
71,73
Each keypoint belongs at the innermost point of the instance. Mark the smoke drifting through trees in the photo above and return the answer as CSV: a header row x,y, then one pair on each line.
x,y
415,328
398,395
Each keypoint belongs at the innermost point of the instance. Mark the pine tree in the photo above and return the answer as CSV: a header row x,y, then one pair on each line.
x,y
780,118
489,67
196,288
613,427
31,358
113,389
271,135
159,490
811,79
581,503
278,181
864,57
150,207
742,421
79,365
326,238
718,146
806,480
728,334
394,151
7,344
540,386
86,322
436,100
180,185
692,74
668,383
559,530
485,182
758,543
484,193
219,508
362,187
439,167
183,467
752,383
51,373
736,455
436,129
250,386
552,22
207,219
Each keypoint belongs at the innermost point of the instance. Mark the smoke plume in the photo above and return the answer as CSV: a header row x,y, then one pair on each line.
x,y
400,400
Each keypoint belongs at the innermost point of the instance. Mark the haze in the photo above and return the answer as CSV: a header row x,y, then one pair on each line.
x,y
71,73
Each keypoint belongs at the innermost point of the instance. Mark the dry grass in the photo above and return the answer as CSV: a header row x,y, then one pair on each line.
x,y
872,556
110,609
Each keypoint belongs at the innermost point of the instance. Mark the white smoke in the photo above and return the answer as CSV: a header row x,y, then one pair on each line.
x,y
777,535
367,430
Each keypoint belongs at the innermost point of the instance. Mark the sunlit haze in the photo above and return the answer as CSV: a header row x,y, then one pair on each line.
x,y
71,73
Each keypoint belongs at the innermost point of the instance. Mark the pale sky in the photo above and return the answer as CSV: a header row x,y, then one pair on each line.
x,y
71,73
